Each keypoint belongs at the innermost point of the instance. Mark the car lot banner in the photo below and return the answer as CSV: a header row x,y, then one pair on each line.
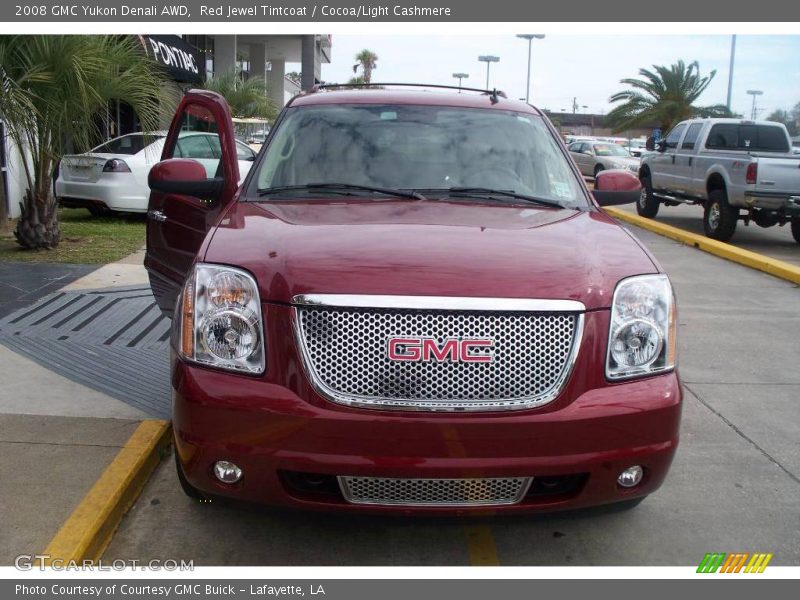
x,y
454,11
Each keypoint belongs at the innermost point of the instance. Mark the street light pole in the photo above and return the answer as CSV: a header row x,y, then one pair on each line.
x,y
730,71
754,93
460,76
488,59
530,37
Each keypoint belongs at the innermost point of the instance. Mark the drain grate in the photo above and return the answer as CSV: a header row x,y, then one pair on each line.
x,y
114,340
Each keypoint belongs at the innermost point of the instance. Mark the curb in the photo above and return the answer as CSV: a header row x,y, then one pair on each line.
x,y
773,266
88,530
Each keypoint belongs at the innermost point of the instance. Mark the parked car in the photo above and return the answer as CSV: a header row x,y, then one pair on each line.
x,y
412,304
595,156
736,170
113,176
637,147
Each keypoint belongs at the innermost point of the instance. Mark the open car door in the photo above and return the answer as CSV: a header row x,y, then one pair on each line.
x,y
196,179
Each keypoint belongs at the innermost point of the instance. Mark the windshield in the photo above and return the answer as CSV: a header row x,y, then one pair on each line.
x,y
412,147
127,144
610,150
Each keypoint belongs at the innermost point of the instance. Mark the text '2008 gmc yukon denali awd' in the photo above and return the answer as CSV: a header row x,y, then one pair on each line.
x,y
411,304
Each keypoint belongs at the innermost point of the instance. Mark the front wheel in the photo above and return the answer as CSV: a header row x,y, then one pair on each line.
x,y
796,229
719,218
647,205
597,169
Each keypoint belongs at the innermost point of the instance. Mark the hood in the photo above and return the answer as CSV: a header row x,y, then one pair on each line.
x,y
427,248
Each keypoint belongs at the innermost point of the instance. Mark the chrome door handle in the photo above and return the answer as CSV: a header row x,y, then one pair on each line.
x,y
156,215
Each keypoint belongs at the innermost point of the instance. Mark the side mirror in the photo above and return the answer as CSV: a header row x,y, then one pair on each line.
x,y
183,176
661,145
616,186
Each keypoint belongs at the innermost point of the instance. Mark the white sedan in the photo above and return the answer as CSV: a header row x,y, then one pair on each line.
x,y
113,176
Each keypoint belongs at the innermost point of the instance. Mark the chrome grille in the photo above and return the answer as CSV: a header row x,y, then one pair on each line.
x,y
345,351
434,492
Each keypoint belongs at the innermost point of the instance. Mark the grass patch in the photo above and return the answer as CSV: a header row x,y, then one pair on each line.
x,y
84,239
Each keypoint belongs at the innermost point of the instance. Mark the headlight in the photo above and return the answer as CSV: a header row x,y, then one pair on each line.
x,y
642,337
221,323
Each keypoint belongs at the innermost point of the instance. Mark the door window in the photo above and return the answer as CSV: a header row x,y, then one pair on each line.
x,y
675,136
691,136
199,139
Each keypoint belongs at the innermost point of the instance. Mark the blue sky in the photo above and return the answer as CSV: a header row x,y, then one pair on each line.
x,y
586,67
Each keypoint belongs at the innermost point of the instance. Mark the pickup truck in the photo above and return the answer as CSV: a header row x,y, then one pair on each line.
x,y
411,304
737,170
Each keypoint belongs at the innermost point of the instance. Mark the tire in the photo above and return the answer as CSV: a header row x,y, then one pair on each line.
x,y
187,487
597,169
99,211
647,205
796,229
719,217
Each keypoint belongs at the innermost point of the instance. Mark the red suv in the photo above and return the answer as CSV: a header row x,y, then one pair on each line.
x,y
412,303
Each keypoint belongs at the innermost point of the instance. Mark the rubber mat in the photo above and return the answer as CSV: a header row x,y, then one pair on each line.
x,y
112,340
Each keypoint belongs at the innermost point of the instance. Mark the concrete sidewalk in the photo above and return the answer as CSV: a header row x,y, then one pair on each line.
x,y
57,437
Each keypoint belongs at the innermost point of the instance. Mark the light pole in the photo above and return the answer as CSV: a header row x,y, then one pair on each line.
x,y
754,93
730,70
530,37
488,59
460,76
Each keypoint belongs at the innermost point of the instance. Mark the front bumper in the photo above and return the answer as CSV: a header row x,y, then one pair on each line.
x,y
273,434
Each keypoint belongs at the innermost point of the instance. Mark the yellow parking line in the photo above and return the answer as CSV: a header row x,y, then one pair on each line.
x,y
482,550
88,530
773,266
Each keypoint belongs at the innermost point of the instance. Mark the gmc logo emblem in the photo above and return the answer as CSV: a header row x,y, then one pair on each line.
x,y
428,349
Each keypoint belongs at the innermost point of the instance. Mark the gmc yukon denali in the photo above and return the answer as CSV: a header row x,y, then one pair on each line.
x,y
411,304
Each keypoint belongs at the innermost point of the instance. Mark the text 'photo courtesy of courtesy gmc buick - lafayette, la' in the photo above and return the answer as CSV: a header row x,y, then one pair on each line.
x,y
736,170
411,304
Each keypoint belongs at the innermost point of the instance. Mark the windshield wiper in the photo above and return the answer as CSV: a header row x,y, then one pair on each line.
x,y
489,192
341,187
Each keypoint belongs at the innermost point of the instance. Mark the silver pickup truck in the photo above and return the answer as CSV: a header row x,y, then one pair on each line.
x,y
737,170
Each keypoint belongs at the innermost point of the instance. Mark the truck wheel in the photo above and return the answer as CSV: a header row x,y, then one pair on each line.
x,y
187,487
648,204
796,229
719,219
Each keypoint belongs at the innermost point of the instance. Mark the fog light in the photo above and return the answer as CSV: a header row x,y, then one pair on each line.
x,y
227,472
631,476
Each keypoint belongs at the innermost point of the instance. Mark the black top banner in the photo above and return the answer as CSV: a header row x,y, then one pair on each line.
x,y
104,11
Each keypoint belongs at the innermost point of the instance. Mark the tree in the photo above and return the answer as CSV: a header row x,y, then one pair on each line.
x,y
57,89
367,61
247,98
664,95
788,118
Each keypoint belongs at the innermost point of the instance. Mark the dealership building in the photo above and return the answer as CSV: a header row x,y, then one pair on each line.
x,y
188,61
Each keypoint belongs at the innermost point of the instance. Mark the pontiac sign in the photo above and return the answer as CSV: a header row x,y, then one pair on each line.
x,y
183,61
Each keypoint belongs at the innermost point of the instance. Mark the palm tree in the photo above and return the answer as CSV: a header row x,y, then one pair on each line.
x,y
247,98
665,95
368,61
56,90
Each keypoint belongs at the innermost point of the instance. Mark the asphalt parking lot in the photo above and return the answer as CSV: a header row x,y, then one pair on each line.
x,y
775,242
733,487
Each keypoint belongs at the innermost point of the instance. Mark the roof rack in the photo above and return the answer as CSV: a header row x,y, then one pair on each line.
x,y
494,94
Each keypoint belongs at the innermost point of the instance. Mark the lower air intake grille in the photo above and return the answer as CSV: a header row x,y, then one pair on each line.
x,y
434,492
